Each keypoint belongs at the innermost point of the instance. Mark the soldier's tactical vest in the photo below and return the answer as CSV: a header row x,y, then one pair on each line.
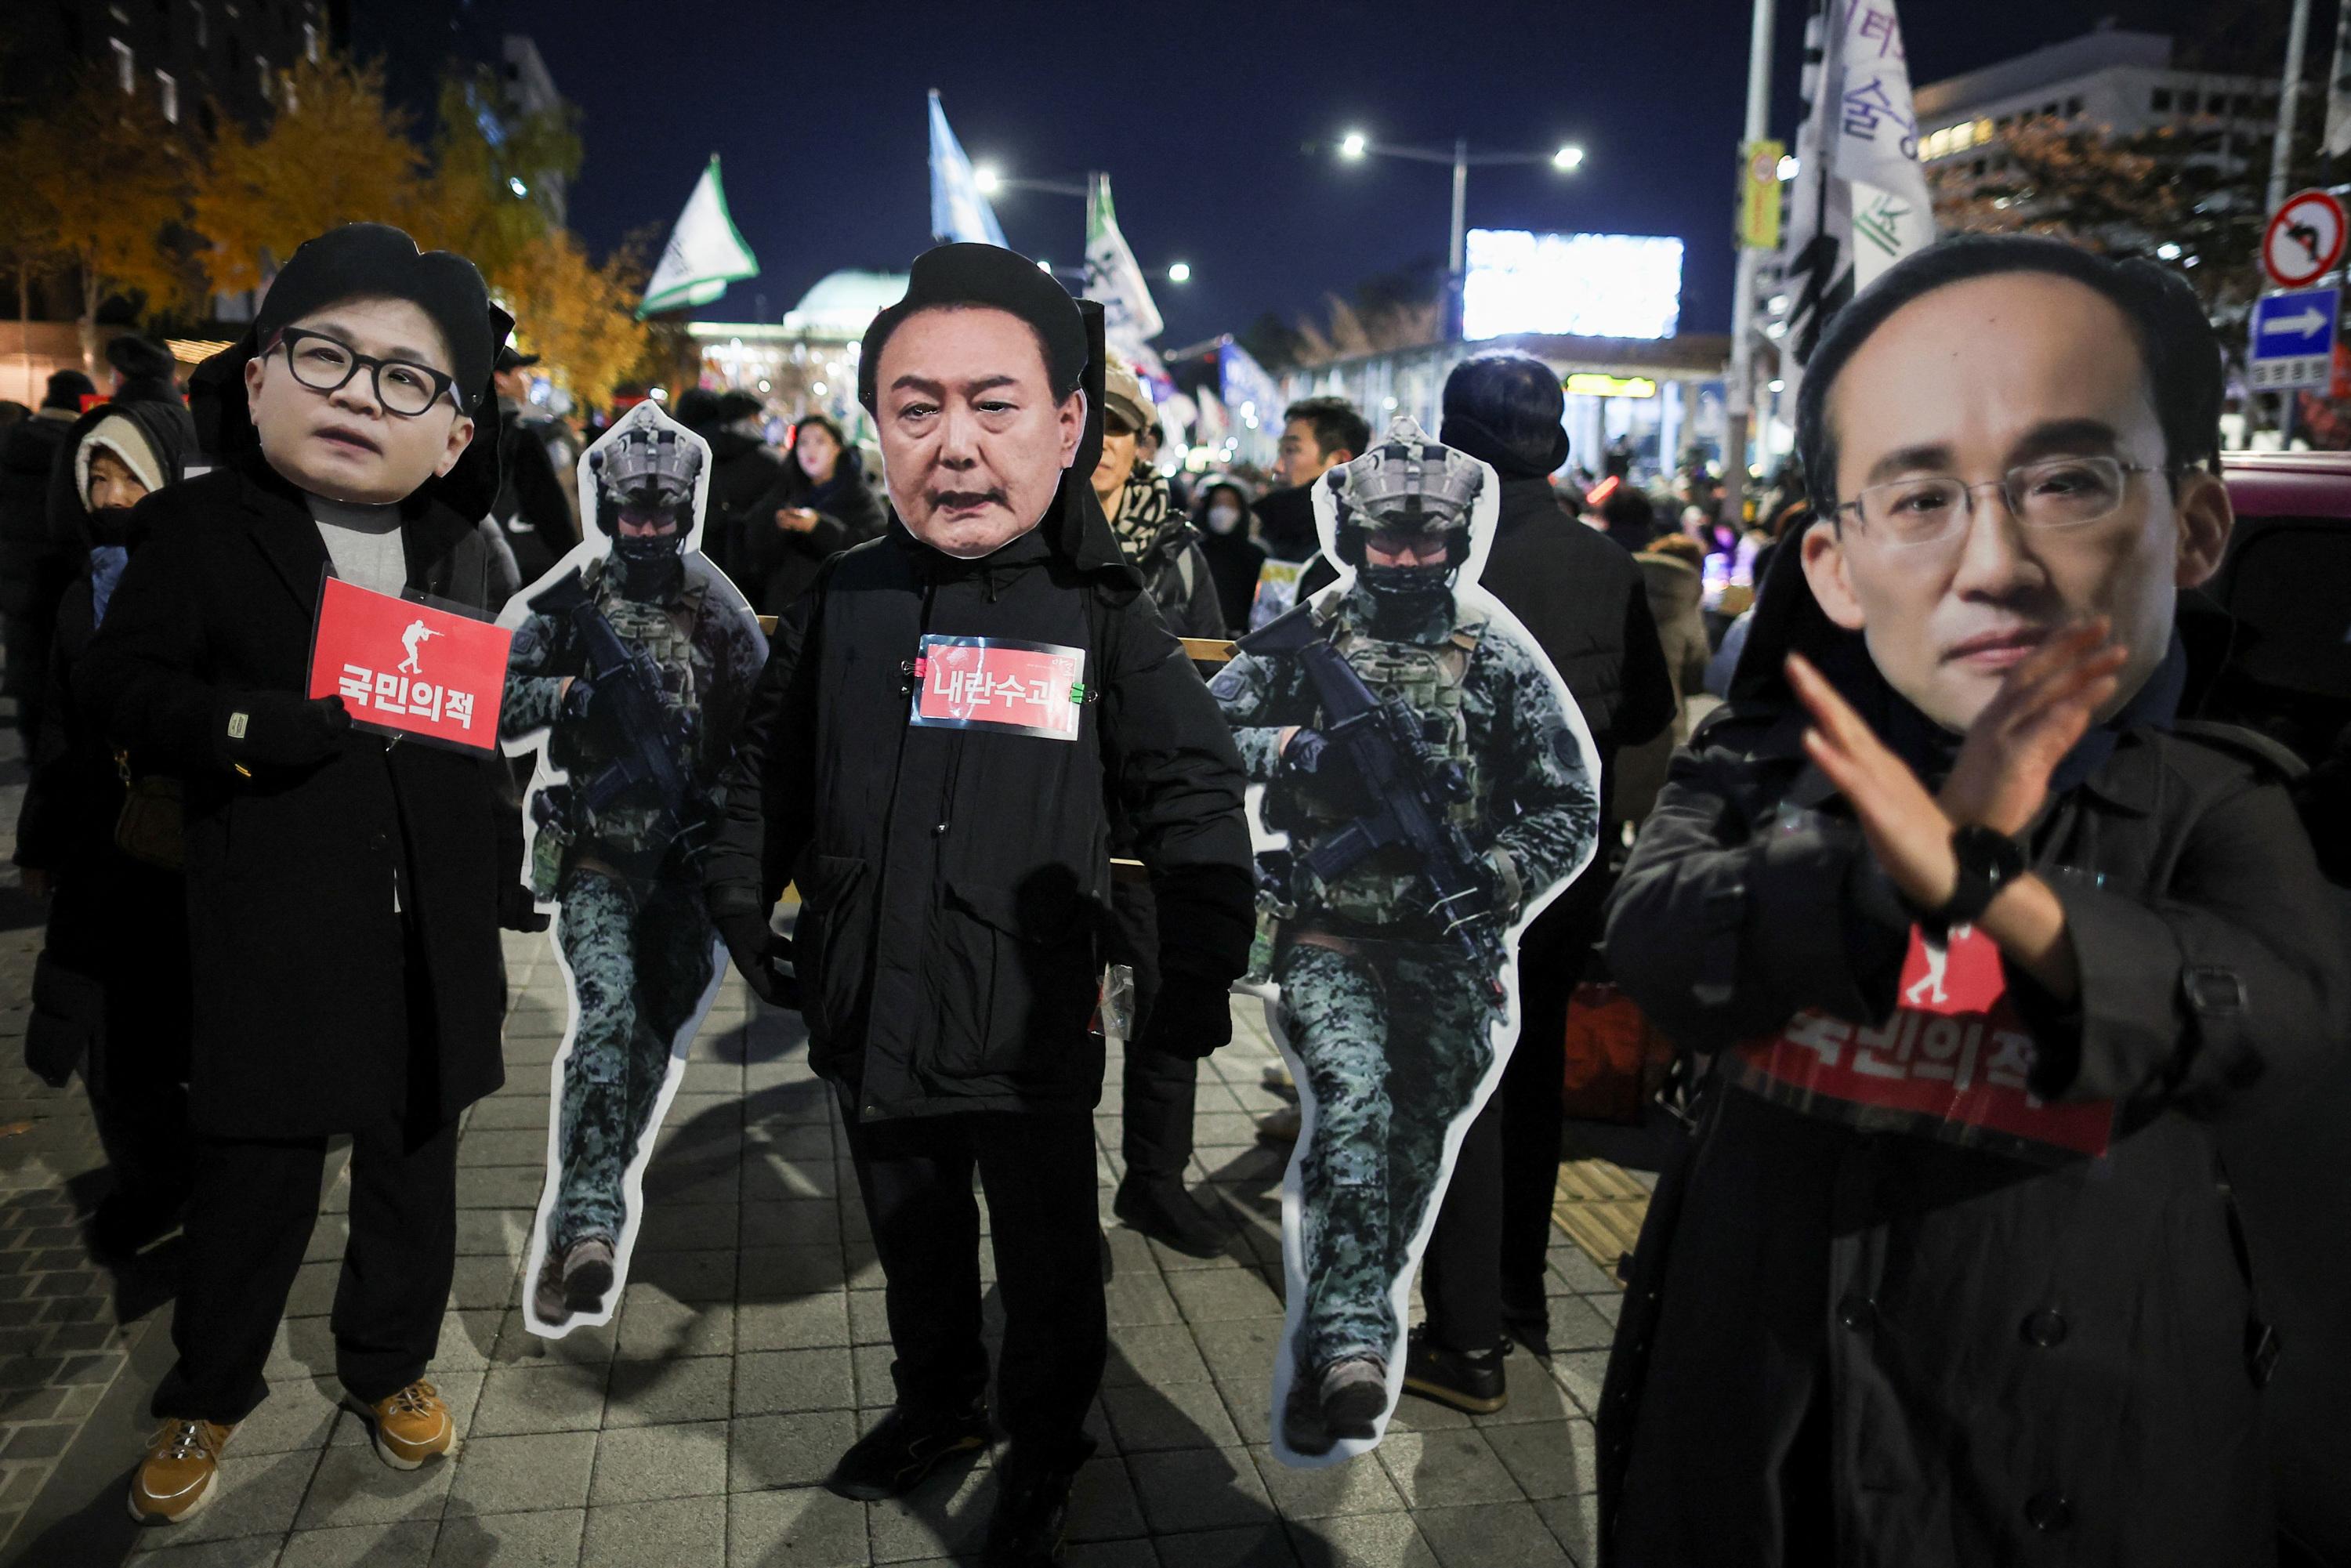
x,y
664,634
1386,889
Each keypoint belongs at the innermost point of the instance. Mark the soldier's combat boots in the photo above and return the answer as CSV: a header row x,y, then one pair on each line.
x,y
892,1460
181,1474
1468,1380
1331,1403
1160,1208
573,1281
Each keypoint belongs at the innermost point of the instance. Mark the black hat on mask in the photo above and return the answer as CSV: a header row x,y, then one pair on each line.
x,y
992,277
139,360
357,261
376,261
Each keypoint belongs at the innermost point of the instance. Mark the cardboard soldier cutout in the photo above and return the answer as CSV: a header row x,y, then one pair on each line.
x,y
1428,788
634,659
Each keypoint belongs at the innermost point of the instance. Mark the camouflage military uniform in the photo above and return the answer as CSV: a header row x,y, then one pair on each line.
x,y
1387,1017
639,949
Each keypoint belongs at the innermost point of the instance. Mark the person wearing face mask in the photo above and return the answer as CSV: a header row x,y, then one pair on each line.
x,y
111,987
345,892
1221,515
1987,948
950,721
820,506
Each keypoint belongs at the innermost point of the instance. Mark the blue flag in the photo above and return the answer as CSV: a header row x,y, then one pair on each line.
x,y
958,211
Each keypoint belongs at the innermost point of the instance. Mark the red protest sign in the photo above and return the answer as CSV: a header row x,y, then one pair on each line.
x,y
1952,1063
407,668
999,683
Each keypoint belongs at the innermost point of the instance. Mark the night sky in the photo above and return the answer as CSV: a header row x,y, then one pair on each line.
x,y
1197,111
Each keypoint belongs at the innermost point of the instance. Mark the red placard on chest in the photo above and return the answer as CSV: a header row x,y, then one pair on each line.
x,y
998,682
406,668
1951,1063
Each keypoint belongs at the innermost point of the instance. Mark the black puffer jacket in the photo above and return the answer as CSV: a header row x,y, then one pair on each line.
x,y
1943,1355
743,468
954,882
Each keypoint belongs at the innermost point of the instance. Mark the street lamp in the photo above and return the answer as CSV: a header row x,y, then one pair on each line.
x,y
1180,272
989,180
1355,145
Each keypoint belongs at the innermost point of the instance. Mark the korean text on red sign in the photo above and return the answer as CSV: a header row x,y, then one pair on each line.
x,y
1952,1063
407,668
996,682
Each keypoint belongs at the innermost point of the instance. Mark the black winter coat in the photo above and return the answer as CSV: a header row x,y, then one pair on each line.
x,y
954,884
318,1009
533,508
779,563
1974,1360
743,468
1234,561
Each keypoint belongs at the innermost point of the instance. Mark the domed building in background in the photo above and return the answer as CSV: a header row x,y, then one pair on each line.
x,y
807,363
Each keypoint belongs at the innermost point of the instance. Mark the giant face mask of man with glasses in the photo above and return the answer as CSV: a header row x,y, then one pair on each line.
x,y
2000,472
355,401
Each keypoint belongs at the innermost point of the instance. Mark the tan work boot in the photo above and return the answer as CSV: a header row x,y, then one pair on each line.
x,y
181,1473
411,1426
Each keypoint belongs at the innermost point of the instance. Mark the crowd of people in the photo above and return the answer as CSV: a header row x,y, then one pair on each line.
x,y
1952,733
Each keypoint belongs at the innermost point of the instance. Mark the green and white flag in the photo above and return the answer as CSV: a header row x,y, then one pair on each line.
x,y
1129,318
704,253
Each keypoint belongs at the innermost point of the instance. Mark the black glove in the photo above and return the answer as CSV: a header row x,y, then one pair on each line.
x,y
1311,754
518,908
281,729
579,699
761,958
1188,1018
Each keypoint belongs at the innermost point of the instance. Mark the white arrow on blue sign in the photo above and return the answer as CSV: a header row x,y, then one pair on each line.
x,y
2293,340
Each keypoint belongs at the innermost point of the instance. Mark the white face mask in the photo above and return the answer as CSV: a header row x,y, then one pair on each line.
x,y
1224,519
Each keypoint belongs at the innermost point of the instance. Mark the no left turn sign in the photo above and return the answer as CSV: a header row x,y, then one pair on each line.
x,y
2303,240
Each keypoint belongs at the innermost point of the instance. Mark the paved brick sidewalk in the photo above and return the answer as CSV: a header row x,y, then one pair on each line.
x,y
751,1349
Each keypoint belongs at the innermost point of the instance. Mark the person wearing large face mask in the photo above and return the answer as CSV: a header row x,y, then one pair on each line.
x,y
945,807
1987,943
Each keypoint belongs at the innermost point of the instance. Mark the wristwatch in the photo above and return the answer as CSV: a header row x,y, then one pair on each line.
x,y
1989,860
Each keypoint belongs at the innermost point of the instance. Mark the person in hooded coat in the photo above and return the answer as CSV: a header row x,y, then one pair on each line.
x,y
35,566
1985,948
954,867
1220,515
820,506
345,892
111,987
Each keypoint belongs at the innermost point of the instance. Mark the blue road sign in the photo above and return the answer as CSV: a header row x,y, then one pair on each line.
x,y
2293,339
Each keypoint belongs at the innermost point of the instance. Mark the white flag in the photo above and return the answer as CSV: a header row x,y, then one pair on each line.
x,y
704,255
1861,201
2338,93
958,211
1129,318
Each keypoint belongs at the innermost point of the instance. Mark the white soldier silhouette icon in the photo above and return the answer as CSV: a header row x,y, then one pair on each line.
x,y
414,640
1938,964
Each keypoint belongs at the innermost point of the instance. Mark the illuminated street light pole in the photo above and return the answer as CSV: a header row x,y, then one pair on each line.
x,y
1354,145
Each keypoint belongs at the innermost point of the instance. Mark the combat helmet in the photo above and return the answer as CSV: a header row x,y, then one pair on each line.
x,y
1407,484
648,468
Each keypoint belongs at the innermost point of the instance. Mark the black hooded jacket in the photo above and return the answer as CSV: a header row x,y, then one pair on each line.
x,y
65,825
954,882
319,1006
1935,1354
